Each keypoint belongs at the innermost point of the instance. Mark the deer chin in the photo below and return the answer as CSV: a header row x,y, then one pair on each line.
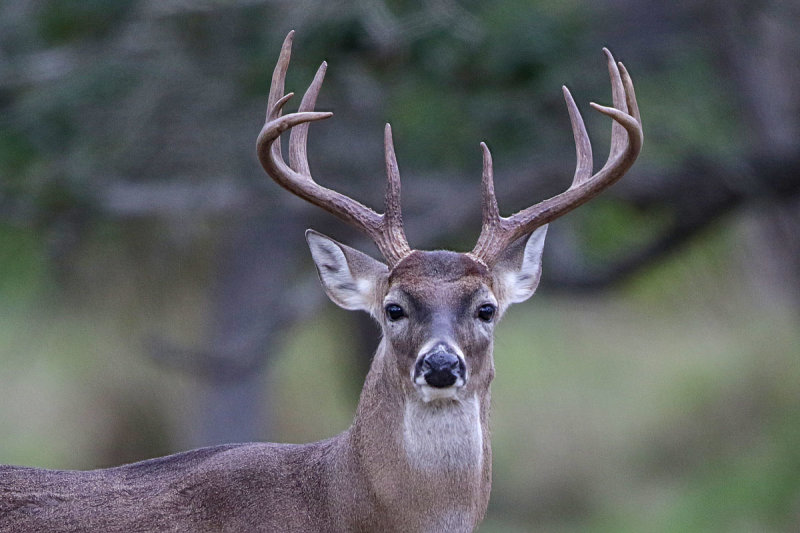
x,y
429,394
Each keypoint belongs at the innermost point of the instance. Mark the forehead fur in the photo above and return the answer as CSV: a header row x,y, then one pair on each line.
x,y
437,267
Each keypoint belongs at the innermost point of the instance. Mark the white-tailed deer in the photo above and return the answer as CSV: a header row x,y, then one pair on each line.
x,y
417,457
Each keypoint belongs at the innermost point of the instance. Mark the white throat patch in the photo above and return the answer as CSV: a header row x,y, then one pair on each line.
x,y
443,435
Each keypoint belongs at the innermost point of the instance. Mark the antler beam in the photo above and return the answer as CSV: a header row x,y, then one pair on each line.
x,y
386,230
498,232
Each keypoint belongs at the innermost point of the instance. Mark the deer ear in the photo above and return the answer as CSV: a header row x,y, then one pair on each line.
x,y
348,276
520,267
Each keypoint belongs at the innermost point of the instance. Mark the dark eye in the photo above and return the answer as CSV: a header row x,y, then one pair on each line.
x,y
394,312
486,312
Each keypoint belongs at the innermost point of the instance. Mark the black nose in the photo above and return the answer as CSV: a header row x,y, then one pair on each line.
x,y
440,369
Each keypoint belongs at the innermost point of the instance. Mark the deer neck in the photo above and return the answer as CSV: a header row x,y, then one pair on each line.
x,y
420,454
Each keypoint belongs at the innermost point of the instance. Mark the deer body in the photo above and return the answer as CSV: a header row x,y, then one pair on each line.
x,y
318,487
417,457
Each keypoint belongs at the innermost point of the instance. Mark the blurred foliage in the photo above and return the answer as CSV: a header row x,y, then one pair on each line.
x,y
609,227
444,90
75,20
23,266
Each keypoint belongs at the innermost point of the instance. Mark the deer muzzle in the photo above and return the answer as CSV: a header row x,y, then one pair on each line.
x,y
440,368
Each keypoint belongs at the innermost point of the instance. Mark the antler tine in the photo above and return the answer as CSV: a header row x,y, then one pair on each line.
x,y
298,137
277,99
626,143
583,146
630,95
490,213
618,136
392,200
393,214
489,209
386,230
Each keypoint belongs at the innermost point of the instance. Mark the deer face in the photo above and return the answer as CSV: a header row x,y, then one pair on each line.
x,y
438,319
437,309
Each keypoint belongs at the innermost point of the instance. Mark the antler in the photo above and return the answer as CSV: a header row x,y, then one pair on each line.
x,y
498,232
385,229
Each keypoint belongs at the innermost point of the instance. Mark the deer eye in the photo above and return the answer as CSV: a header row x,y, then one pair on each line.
x,y
486,312
394,312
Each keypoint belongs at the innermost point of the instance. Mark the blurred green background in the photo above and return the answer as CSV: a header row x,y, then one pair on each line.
x,y
156,293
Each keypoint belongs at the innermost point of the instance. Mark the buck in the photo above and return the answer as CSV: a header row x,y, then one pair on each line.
x,y
417,457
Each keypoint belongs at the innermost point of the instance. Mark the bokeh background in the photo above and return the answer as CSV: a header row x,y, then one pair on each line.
x,y
156,293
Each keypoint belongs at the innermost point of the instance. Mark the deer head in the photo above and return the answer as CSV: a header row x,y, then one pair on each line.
x,y
437,309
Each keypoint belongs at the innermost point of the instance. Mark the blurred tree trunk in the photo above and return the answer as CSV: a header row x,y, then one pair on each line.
x,y
760,44
256,299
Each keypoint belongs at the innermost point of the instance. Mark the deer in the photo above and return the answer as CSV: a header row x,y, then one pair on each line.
x,y
418,456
